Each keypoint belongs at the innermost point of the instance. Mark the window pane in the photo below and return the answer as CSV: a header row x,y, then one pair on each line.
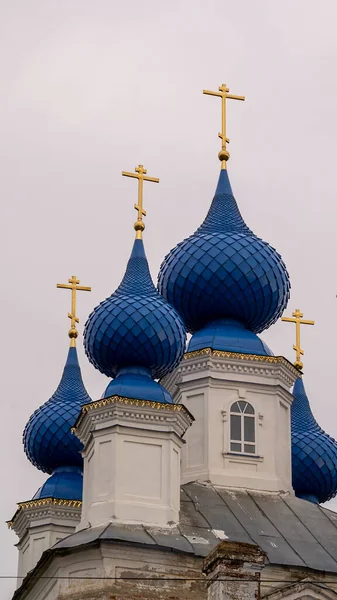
x,y
235,407
249,429
242,405
235,447
235,427
249,410
249,449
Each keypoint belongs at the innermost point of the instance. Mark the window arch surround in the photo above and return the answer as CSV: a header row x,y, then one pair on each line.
x,y
242,428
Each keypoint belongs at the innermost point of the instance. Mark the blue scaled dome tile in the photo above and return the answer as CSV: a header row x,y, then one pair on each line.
x,y
224,270
314,452
136,382
47,438
230,336
66,483
135,325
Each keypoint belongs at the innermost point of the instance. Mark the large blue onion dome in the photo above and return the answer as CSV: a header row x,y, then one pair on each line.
x,y
224,271
314,452
230,335
48,441
135,327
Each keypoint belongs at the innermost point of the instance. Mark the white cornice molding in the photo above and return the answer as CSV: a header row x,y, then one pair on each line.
x,y
214,364
125,412
35,512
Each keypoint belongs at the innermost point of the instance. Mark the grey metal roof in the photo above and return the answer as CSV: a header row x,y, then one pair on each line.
x,y
291,531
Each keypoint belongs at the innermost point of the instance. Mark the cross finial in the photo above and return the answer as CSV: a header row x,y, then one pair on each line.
x,y
140,174
223,94
298,320
74,287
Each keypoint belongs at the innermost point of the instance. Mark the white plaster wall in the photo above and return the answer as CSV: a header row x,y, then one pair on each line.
x,y
208,393
88,455
195,453
134,476
40,533
62,576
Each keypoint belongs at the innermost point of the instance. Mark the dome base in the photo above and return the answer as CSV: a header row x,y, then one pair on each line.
x,y
64,484
136,382
228,335
308,498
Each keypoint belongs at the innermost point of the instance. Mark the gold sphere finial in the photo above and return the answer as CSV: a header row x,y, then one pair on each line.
x,y
223,94
223,155
73,333
298,364
139,225
140,174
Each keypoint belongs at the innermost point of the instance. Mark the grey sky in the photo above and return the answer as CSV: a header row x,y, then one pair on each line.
x,y
89,89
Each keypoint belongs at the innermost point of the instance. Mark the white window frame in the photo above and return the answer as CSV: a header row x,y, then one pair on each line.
x,y
242,413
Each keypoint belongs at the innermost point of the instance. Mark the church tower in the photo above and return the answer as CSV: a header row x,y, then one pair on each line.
x,y
228,285
54,511
132,437
314,452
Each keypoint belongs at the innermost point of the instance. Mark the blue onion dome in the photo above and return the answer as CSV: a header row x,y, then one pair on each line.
x,y
135,327
48,441
224,271
230,335
314,452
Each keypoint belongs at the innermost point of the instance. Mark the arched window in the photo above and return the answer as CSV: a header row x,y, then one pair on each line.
x,y
242,428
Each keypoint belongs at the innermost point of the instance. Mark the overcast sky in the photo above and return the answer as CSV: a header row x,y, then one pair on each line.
x,y
91,88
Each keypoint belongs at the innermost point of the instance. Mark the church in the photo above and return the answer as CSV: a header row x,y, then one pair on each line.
x,y
200,472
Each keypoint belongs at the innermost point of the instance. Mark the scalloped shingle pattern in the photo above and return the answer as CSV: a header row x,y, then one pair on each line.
x,y
135,326
224,270
47,438
314,452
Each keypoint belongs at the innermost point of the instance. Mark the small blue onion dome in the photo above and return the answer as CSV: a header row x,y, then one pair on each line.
x,y
135,326
48,441
65,483
314,452
230,335
136,382
224,270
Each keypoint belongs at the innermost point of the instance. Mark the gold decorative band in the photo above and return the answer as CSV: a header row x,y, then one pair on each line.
x,y
45,502
251,357
131,402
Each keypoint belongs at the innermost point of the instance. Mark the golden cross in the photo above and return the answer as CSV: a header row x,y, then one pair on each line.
x,y
298,321
140,174
74,287
222,93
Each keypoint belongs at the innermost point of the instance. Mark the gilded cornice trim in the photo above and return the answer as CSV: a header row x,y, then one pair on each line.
x,y
115,400
43,502
250,357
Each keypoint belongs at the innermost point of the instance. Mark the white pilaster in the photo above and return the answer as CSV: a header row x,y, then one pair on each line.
x,y
131,461
39,524
208,382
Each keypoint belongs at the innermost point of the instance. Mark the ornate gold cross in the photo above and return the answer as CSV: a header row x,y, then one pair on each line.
x,y
222,93
74,287
140,174
298,321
